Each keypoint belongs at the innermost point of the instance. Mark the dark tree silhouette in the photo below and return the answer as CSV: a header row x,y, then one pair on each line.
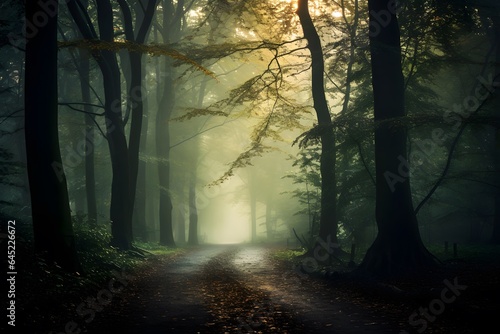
x,y
144,17
52,226
120,207
89,131
398,246
172,19
328,217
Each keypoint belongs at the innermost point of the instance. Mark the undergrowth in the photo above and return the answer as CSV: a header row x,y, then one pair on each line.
x,y
48,296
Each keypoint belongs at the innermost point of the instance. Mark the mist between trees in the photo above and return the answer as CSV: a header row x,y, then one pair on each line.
x,y
188,122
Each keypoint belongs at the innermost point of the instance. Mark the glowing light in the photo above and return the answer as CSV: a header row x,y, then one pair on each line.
x,y
337,14
229,223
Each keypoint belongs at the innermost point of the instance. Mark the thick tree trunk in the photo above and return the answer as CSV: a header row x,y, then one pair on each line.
x,y
52,226
328,217
171,24
139,215
144,17
495,237
398,246
120,207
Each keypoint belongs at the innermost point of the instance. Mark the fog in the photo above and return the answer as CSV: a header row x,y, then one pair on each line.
x,y
229,149
249,166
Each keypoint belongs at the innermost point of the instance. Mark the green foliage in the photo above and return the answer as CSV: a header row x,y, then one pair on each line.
x,y
156,249
198,112
287,254
98,258
152,50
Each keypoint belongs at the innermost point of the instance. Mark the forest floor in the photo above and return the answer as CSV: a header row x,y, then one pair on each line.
x,y
249,289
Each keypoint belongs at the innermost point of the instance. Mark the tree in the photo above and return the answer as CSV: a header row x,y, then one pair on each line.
x,y
52,226
124,158
328,219
171,23
398,246
89,140
144,15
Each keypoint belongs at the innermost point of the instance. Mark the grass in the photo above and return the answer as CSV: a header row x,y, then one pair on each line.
x,y
287,254
466,252
156,249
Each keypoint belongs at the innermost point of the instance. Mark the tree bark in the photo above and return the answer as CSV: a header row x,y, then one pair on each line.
x,y
193,210
51,216
120,207
398,246
193,213
328,217
135,95
165,109
171,29
495,237
89,138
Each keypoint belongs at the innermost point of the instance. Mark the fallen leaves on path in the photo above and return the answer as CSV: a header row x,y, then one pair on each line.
x,y
236,308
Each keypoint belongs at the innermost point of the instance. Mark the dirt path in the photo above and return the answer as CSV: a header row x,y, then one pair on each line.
x,y
228,289
312,301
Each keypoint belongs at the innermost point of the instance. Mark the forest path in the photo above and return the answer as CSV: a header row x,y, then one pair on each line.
x,y
230,289
312,301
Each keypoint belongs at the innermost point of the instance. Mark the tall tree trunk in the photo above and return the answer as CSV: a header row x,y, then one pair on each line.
x,y
398,246
165,109
89,137
328,217
253,215
193,213
269,219
193,210
495,237
144,17
52,226
120,207
139,215
171,29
